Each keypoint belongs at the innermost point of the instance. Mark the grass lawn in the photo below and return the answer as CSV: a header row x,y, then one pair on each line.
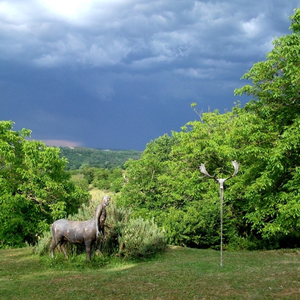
x,y
180,273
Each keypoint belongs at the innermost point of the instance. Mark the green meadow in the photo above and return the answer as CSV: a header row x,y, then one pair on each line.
x,y
179,273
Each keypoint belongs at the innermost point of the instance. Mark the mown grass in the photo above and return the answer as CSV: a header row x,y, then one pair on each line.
x,y
180,273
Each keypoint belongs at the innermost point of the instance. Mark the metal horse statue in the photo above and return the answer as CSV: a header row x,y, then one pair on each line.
x,y
78,232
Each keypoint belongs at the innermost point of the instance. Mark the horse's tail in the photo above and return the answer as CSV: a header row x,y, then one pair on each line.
x,y
53,232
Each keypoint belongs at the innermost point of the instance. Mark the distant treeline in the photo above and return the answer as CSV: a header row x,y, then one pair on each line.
x,y
99,158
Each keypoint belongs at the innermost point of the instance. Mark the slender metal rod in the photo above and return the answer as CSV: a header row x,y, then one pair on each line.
x,y
221,236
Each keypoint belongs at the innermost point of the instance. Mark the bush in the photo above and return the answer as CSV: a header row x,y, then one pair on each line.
x,y
141,238
116,221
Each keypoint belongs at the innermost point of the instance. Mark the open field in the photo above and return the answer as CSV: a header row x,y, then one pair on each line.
x,y
97,194
180,273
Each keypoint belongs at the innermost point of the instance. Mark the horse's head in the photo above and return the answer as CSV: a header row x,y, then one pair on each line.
x,y
105,200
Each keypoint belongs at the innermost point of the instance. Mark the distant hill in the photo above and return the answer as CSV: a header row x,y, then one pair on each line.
x,y
100,158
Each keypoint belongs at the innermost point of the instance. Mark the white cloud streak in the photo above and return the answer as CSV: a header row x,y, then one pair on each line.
x,y
62,143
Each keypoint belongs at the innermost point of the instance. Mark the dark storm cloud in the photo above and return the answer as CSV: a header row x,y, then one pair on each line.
x,y
116,74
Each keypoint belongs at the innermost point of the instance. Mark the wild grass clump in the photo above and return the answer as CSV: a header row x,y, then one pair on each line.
x,y
43,245
126,237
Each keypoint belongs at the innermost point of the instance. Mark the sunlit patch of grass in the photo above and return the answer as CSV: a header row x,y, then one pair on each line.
x,y
79,262
98,194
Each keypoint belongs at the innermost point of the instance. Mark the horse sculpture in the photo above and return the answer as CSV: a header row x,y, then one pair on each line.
x,y
78,232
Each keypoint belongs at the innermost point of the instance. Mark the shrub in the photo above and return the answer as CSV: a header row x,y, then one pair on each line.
x,y
141,238
117,220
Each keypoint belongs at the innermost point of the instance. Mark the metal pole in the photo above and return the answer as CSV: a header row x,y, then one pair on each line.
x,y
221,183
221,214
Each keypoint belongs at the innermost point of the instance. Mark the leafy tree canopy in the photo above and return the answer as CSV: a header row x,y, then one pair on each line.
x,y
35,189
275,82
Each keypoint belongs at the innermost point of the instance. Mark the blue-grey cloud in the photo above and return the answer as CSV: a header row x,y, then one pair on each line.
x,y
112,73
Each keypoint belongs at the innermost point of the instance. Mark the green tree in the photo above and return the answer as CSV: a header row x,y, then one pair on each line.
x,y
184,203
275,82
89,173
165,182
116,180
101,179
35,189
142,187
276,93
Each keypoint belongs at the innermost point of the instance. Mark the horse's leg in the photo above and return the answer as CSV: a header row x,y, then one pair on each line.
x,y
53,245
93,245
62,247
88,249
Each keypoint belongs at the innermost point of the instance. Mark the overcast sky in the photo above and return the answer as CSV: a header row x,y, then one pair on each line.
x,y
119,73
